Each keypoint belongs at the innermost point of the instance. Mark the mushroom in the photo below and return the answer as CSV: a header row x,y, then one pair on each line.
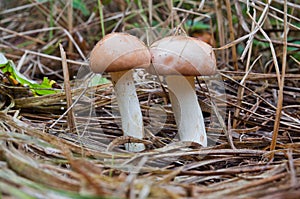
x,y
180,59
118,53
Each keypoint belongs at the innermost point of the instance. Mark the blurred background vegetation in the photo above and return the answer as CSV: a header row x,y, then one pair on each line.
x,y
39,25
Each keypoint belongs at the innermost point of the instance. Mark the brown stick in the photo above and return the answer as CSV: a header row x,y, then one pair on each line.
x,y
70,116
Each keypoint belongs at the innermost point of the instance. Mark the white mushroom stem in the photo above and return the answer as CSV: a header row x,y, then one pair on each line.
x,y
187,111
129,107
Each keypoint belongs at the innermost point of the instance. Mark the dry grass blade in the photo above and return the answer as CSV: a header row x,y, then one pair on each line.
x,y
280,83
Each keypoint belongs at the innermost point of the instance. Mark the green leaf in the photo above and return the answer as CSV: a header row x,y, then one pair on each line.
x,y
79,5
197,25
13,73
98,80
9,68
45,87
261,44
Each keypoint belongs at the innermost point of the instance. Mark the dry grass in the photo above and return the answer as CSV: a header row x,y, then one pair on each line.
x,y
253,130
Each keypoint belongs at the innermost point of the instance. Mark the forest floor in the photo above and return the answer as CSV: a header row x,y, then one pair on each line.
x,y
60,128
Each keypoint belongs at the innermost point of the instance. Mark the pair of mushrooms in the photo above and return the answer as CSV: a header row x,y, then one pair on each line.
x,y
179,58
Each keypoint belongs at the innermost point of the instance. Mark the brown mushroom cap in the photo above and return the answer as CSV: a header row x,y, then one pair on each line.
x,y
118,52
182,55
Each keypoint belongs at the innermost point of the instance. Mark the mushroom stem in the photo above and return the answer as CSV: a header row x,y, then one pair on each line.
x,y
187,111
129,107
